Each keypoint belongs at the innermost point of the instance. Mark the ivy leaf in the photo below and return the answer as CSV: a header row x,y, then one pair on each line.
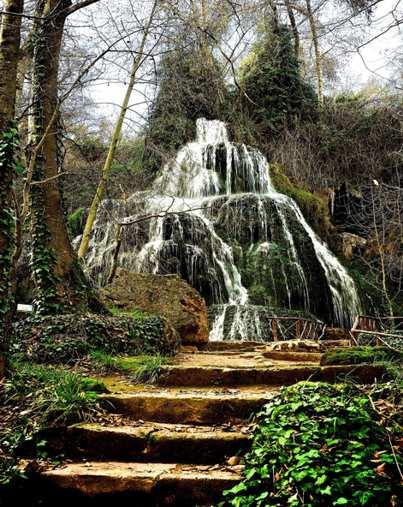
x,y
341,501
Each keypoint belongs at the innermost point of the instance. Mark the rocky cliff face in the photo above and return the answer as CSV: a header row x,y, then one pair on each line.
x,y
168,296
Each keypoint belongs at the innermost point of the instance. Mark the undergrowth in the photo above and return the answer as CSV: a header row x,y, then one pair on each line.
x,y
138,368
35,397
318,445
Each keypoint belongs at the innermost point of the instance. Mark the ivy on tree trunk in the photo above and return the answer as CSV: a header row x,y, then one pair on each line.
x,y
60,284
10,35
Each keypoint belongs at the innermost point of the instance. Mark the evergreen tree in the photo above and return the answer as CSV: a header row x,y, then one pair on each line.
x,y
271,79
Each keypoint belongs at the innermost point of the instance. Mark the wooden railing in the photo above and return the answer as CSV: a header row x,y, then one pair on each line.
x,y
292,328
378,330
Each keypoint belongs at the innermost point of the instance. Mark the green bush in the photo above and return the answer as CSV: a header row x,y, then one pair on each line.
x,y
317,445
357,355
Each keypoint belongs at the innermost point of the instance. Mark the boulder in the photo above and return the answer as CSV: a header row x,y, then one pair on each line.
x,y
166,295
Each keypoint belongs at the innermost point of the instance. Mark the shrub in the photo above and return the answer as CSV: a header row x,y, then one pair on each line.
x,y
191,86
317,445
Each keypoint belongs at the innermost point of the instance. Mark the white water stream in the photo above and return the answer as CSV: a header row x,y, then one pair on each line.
x,y
207,175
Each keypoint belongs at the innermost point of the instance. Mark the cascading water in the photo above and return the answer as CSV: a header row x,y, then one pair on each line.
x,y
217,221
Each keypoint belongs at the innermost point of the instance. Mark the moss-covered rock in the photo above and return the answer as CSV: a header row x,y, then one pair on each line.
x,y
67,338
313,207
358,355
167,296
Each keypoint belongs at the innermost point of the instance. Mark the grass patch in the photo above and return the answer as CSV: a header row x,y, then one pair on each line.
x,y
142,369
135,313
315,445
35,397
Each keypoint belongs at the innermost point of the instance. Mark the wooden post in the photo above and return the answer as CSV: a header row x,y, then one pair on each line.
x,y
298,329
274,330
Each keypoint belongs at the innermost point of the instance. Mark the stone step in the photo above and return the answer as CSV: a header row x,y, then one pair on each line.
x,y
332,344
199,376
186,406
234,346
151,442
142,484
296,357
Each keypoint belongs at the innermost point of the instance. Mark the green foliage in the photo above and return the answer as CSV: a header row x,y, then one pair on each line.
x,y
68,338
75,222
270,76
10,166
191,86
357,355
317,445
60,396
138,368
35,397
43,259
135,313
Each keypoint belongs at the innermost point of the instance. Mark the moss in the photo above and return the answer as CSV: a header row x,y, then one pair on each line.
x,y
357,355
75,222
313,207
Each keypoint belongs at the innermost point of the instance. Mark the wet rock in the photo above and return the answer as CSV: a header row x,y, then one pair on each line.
x,y
168,296
349,245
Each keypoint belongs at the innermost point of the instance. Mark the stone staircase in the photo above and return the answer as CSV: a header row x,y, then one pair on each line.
x,y
179,442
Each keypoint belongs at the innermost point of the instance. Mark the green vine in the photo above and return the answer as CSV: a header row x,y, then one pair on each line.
x,y
9,167
43,259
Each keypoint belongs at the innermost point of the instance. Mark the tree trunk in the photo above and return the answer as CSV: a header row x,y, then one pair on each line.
x,y
10,35
60,284
318,58
100,192
294,28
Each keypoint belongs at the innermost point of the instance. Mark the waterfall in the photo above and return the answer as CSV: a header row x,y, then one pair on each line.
x,y
216,219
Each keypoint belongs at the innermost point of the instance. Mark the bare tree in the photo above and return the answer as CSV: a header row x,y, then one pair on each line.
x,y
99,194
